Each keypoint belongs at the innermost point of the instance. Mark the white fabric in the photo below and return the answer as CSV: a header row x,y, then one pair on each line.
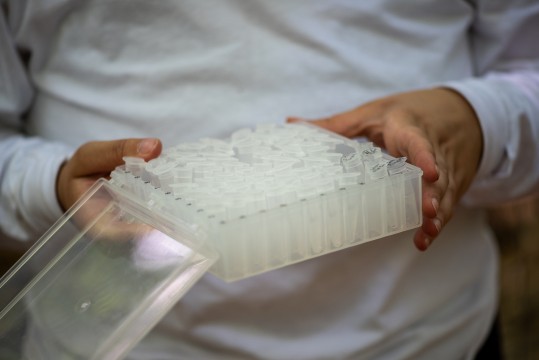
x,y
180,70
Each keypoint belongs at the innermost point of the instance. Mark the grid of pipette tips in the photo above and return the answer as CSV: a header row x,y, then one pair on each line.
x,y
278,194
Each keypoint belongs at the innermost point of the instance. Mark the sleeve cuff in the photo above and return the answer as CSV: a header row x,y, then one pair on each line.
x,y
47,207
30,189
494,116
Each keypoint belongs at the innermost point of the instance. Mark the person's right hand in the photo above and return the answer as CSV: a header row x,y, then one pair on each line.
x,y
95,160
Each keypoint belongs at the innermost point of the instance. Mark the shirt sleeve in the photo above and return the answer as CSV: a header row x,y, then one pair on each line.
x,y
28,165
505,96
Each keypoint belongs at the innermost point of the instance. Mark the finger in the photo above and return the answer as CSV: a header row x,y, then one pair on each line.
x,y
421,240
330,123
445,211
425,160
432,227
408,140
428,231
434,192
101,157
405,138
346,124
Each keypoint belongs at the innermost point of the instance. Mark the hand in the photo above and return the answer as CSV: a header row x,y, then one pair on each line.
x,y
98,159
437,130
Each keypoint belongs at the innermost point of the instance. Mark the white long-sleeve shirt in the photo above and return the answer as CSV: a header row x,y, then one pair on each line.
x,y
180,70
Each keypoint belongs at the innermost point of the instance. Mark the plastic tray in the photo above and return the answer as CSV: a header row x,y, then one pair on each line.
x,y
276,195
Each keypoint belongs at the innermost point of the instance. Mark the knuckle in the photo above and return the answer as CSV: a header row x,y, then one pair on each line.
x,y
119,148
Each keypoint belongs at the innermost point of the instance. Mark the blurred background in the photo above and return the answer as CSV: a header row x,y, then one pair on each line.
x,y
516,226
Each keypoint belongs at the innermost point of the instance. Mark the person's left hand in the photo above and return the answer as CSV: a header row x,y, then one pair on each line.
x,y
97,159
437,130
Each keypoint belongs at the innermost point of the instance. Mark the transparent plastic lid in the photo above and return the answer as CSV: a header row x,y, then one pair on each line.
x,y
98,281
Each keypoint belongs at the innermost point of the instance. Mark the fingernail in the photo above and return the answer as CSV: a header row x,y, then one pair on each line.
x,y
294,119
146,146
428,241
438,223
435,205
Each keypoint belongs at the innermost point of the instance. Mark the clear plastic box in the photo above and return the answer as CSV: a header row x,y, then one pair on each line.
x,y
95,284
116,262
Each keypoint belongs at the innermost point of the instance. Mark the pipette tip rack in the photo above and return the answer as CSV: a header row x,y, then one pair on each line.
x,y
278,194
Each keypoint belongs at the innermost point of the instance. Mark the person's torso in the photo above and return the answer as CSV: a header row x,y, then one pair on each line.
x,y
181,70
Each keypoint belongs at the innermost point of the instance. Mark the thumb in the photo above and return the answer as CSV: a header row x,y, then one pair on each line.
x,y
333,123
99,157
348,123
